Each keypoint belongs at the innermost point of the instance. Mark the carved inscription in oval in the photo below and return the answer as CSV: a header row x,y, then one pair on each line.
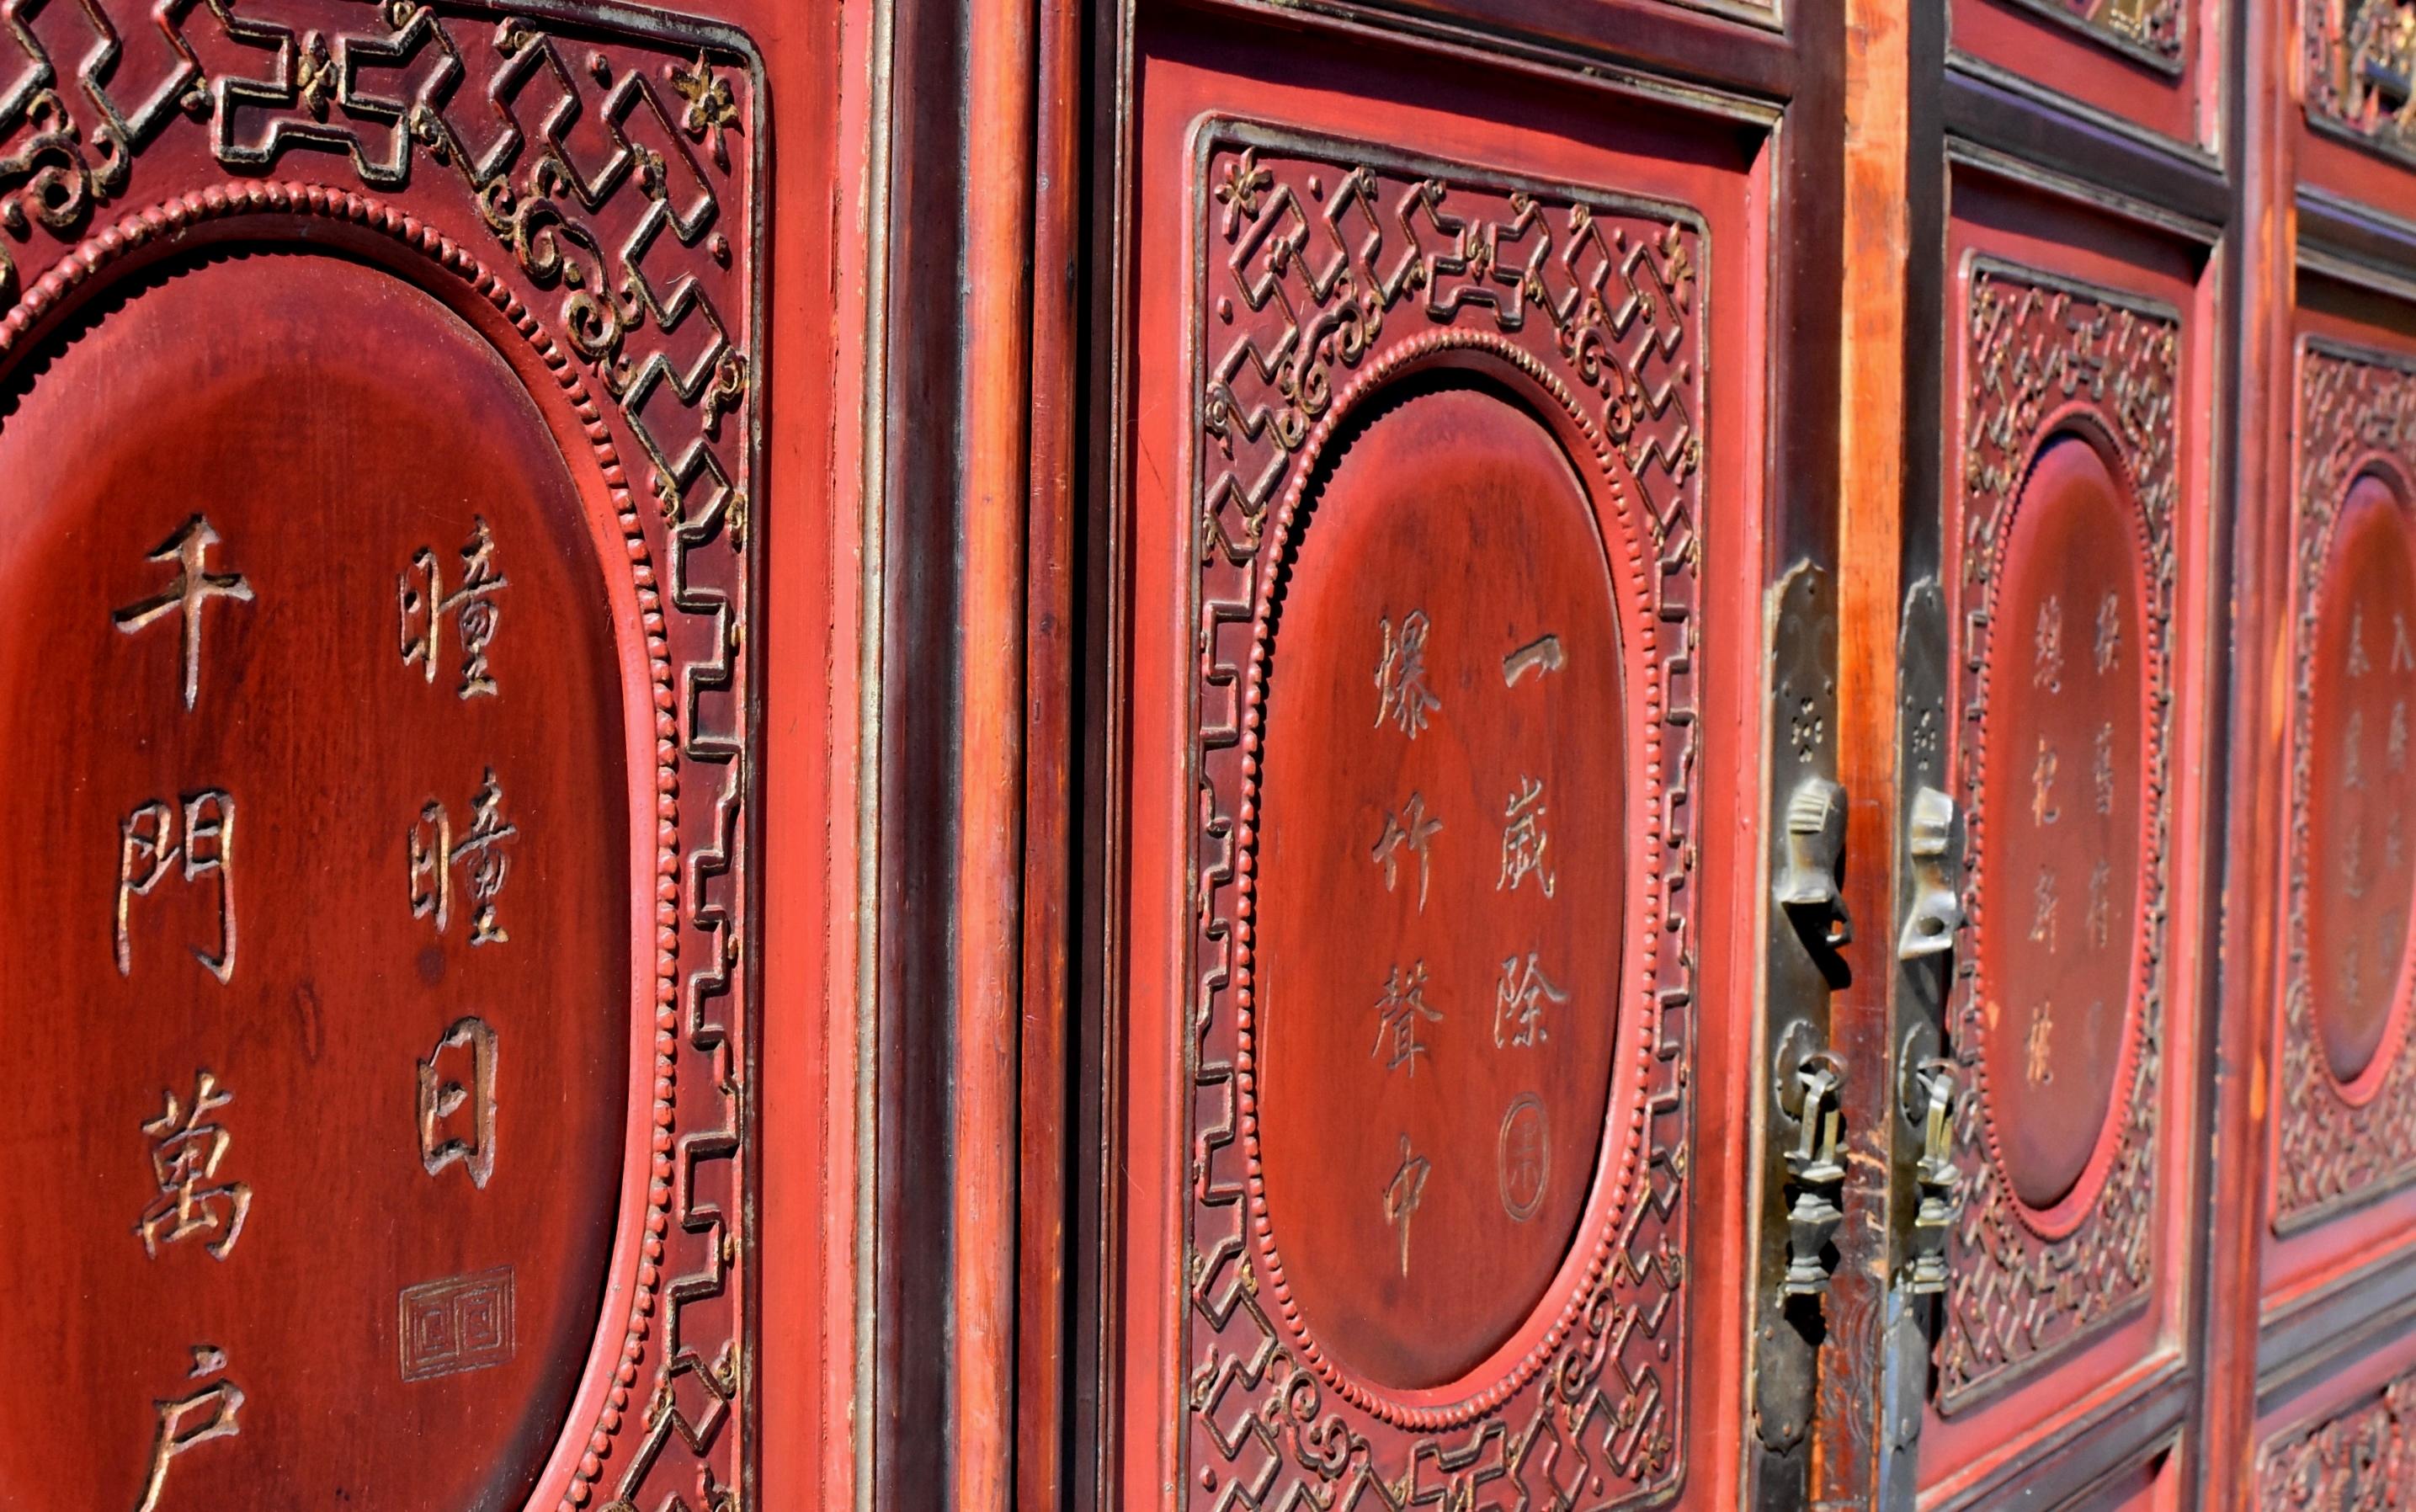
x,y
2065,808
322,1043
1441,887
2361,875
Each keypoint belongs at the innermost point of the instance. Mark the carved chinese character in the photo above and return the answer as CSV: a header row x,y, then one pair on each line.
x,y
2403,656
2352,974
472,605
1518,1002
2357,664
1398,1013
2036,1045
2394,750
2100,770
2353,861
447,1088
188,1422
1524,839
187,1149
2109,631
2353,750
2046,647
2043,809
2043,910
148,848
1408,828
1401,692
1539,655
2100,922
2395,847
192,587
1402,1195
434,852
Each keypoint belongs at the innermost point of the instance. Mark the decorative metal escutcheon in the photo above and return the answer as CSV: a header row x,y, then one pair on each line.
x,y
1802,1169
1808,1081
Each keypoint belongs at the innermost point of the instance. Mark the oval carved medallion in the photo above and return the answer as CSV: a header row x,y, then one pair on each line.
x,y
1441,846
2362,877
2066,808
313,675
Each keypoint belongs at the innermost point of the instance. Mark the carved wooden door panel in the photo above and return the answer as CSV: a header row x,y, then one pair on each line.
x,y
2329,1283
2040,1121
1439,478
381,449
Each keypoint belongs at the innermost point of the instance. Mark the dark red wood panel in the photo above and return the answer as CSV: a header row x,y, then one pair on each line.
x,y
1487,324
378,435
2078,462
342,882
2343,1085
2150,65
1438,982
2353,135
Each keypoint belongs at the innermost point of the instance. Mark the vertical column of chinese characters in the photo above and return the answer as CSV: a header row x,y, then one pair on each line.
x,y
1406,704
1525,995
457,869
190,837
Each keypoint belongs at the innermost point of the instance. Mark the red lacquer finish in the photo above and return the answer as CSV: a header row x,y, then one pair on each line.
x,y
2066,807
379,476
1438,913
339,847
1347,350
2361,875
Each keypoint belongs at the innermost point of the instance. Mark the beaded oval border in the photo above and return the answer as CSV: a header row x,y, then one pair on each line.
x,y
1639,647
2082,422
162,223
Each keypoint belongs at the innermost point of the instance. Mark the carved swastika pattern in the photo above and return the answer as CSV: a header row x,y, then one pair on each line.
x,y
1326,267
2356,409
2040,357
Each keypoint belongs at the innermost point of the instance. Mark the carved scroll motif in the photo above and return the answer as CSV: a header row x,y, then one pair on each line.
x,y
2359,64
2354,406
2034,347
610,167
2361,1458
1323,262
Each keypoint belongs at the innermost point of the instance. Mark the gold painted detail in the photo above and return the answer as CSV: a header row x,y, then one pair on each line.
x,y
188,1147
2361,71
423,606
456,1102
187,1423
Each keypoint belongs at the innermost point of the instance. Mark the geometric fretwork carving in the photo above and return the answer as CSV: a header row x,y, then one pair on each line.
x,y
2358,57
2359,1459
1324,264
2041,356
2356,409
598,183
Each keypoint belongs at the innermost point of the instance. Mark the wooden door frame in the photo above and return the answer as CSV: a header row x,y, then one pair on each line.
x,y
1073,891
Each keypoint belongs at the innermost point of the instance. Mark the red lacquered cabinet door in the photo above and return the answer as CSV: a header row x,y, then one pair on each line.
x,y
381,458
1439,440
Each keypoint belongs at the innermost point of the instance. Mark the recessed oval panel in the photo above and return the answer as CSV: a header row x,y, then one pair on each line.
x,y
2361,878
311,692
2065,808
1438,923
